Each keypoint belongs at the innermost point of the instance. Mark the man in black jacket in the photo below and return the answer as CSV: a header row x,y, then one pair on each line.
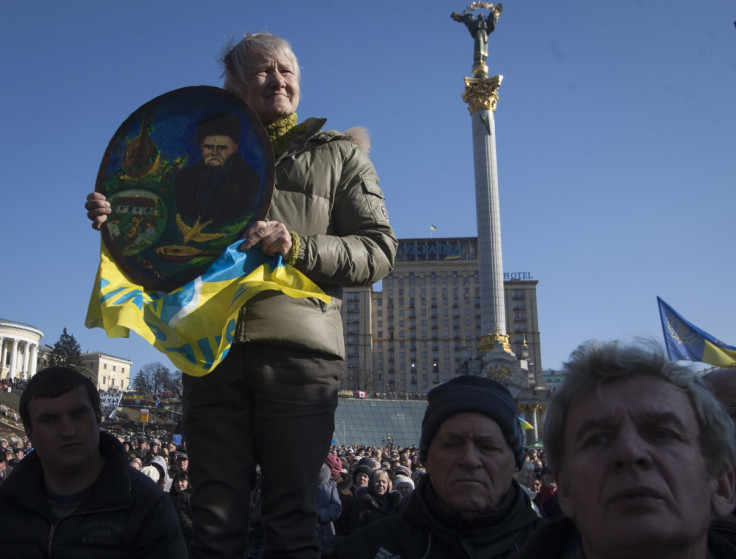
x,y
468,505
74,495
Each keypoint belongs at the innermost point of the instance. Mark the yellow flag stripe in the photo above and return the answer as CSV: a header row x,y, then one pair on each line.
x,y
194,324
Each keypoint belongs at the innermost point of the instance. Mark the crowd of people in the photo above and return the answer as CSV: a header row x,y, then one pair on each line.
x,y
13,385
639,457
357,485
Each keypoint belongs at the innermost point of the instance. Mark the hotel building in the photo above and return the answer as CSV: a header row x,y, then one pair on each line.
x,y
424,321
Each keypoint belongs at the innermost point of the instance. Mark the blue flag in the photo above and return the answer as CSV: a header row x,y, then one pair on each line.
x,y
688,342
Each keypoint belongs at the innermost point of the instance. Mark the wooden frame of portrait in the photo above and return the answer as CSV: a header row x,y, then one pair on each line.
x,y
185,174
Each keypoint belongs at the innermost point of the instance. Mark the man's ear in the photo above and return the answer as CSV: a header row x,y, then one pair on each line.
x,y
564,497
723,496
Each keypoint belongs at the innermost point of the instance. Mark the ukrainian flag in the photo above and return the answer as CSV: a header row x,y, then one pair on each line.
x,y
688,342
525,424
193,324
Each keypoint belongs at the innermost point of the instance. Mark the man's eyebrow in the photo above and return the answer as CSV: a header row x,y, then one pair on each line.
x,y
649,417
473,436
592,424
78,409
662,418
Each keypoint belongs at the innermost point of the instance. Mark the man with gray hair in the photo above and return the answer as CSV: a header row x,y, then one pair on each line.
x,y
643,456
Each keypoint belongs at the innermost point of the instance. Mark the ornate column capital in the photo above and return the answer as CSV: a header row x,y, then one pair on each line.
x,y
481,94
489,341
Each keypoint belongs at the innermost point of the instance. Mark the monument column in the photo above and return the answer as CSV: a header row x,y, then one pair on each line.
x,y
494,359
481,96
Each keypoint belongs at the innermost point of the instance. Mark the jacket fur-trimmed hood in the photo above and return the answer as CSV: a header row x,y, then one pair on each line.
x,y
360,137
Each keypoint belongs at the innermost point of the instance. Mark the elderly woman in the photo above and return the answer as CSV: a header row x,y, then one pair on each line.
x,y
374,502
272,400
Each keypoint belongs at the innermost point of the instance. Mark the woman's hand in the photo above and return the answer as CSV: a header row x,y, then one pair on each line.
x,y
273,236
98,208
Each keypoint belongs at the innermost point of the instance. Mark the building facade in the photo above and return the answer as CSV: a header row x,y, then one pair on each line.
x,y
425,322
19,345
108,372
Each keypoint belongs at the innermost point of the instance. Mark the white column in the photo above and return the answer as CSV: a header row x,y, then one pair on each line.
x,y
26,360
2,353
490,257
34,360
13,355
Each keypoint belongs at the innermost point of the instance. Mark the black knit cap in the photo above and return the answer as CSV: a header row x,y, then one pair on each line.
x,y
469,393
224,124
367,470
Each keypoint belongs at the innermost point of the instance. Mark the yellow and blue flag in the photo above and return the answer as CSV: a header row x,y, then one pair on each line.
x,y
195,323
525,424
688,342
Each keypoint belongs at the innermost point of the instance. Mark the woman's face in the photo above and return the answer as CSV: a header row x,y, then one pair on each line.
x,y
272,88
361,480
405,489
380,484
182,484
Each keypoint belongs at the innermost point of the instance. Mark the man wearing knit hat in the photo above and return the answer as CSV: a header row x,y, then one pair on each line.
x,y
468,504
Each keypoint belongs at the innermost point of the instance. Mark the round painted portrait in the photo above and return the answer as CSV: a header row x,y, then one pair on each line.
x,y
185,174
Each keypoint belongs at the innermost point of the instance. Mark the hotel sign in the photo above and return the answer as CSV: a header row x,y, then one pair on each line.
x,y
517,276
463,248
431,251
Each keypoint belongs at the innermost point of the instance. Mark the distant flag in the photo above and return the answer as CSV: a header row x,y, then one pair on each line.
x,y
525,424
361,394
432,228
195,323
158,402
689,343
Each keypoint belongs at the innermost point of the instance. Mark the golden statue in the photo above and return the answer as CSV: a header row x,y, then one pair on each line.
x,y
480,27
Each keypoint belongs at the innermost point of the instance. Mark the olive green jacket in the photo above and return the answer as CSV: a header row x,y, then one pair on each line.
x,y
327,192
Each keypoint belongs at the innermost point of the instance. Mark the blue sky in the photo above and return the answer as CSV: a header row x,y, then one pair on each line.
x,y
615,136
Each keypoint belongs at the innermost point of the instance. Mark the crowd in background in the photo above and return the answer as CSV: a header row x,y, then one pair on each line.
x,y
358,484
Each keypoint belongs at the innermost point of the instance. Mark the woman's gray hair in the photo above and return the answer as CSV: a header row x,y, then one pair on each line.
x,y
526,474
594,363
236,58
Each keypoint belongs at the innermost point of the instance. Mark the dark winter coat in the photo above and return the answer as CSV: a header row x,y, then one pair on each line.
x,y
367,508
553,541
426,529
126,515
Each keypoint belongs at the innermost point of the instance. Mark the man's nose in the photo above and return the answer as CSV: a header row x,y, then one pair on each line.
x,y
470,456
631,450
67,427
